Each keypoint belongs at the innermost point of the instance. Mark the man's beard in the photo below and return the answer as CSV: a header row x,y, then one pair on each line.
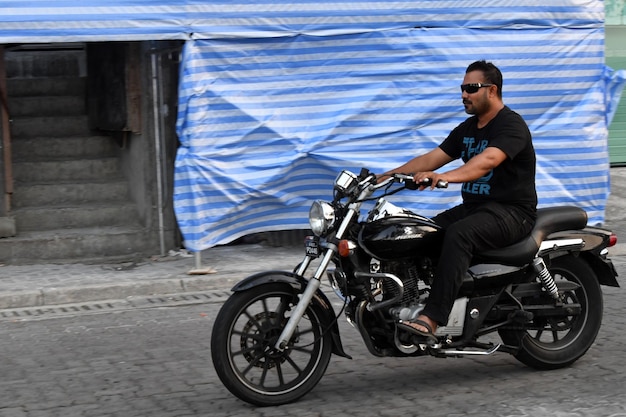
x,y
469,108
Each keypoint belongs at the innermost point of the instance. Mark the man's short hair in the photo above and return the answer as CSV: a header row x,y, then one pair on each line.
x,y
491,73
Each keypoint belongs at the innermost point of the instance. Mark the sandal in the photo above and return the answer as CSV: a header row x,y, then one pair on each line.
x,y
428,335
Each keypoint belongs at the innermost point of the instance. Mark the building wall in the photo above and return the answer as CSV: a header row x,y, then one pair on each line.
x,y
616,59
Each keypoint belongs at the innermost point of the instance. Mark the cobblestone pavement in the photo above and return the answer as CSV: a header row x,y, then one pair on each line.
x,y
149,356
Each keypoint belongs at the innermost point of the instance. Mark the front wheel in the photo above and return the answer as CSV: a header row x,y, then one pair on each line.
x,y
552,343
242,346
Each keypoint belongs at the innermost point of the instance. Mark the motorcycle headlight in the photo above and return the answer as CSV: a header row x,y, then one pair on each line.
x,y
321,217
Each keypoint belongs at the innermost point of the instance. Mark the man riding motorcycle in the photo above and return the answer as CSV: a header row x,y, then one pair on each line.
x,y
498,266
499,197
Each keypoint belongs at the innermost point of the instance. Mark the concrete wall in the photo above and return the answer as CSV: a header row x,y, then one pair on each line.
x,y
140,150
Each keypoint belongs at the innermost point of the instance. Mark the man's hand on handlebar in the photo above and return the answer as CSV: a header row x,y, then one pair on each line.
x,y
382,177
429,179
419,181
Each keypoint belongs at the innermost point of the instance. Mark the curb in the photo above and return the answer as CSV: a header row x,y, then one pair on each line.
x,y
76,294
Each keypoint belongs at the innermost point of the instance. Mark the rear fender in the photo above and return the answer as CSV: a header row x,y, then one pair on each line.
x,y
298,284
596,240
603,267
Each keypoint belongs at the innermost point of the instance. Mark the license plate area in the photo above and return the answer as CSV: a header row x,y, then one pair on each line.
x,y
312,246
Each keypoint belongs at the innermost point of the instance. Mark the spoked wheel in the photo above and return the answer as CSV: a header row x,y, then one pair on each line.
x,y
556,342
242,347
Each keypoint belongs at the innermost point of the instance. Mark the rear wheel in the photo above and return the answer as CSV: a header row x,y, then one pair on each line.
x,y
556,342
242,347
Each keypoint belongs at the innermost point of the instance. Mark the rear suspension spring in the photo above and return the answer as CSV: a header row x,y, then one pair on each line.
x,y
546,278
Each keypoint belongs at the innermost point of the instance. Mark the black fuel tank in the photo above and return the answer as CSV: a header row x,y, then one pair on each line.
x,y
397,237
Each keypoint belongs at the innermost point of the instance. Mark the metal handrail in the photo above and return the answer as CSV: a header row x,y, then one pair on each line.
x,y
6,135
3,84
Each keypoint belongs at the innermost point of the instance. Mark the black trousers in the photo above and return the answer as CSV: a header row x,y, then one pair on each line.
x,y
469,231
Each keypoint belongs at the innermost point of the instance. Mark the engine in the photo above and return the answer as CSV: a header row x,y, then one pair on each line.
x,y
415,277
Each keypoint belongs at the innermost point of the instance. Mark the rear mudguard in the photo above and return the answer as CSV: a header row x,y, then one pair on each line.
x,y
298,284
596,240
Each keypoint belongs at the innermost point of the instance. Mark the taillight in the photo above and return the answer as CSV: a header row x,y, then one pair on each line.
x,y
612,240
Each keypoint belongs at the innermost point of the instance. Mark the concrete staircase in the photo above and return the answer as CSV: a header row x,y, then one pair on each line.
x,y
71,202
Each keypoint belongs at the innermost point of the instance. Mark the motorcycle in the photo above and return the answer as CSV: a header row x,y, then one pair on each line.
x,y
539,299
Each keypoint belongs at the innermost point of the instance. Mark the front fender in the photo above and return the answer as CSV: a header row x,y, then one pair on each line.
x,y
298,283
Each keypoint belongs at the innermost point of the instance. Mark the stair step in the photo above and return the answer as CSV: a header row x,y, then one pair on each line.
x,y
47,106
39,148
64,170
24,87
50,126
71,201
85,215
69,193
45,63
74,245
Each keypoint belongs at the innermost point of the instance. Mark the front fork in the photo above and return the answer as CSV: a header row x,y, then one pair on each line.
x,y
305,299
314,283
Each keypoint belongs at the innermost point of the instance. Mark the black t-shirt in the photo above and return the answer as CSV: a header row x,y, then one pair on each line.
x,y
513,181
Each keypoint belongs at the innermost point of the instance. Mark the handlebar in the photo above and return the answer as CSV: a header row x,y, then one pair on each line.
x,y
410,183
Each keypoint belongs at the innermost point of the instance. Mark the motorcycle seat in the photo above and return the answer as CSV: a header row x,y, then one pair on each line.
x,y
549,220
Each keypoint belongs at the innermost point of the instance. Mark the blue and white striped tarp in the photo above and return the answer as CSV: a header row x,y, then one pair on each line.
x,y
276,97
266,124
101,20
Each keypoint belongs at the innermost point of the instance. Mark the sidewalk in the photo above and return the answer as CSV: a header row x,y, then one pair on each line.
x,y
220,268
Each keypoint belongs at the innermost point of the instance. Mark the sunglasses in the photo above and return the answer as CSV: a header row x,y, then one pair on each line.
x,y
472,88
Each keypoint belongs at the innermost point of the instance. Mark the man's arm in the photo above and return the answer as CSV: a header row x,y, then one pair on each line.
x,y
429,161
477,167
